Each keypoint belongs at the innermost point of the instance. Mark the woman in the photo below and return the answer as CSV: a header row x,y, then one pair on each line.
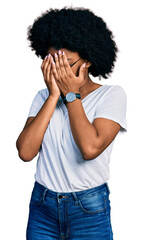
x,y
72,124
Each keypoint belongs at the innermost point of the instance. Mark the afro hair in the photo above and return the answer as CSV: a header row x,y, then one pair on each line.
x,y
78,30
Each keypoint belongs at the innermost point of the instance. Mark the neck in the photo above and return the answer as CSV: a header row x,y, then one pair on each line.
x,y
87,86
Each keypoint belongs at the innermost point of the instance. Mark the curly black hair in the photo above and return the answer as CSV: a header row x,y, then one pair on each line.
x,y
78,30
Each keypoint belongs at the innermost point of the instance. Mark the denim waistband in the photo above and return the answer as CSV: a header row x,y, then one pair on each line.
x,y
70,195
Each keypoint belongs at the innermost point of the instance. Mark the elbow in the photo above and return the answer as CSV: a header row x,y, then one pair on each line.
x,y
88,157
90,154
24,157
93,151
23,154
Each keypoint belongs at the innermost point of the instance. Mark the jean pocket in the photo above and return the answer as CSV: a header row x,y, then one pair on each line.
x,y
93,203
36,197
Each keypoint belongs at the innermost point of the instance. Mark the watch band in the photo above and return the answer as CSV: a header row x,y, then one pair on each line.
x,y
77,95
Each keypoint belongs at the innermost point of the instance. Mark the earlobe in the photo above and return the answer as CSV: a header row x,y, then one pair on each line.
x,y
88,64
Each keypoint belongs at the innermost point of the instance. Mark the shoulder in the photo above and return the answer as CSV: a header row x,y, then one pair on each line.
x,y
114,90
43,93
112,95
114,87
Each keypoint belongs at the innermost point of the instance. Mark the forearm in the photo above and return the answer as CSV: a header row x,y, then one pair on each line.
x,y
84,133
30,139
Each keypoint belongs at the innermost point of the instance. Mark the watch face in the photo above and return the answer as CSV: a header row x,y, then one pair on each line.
x,y
70,97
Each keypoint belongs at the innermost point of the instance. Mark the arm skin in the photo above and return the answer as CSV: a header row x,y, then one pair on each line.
x,y
30,139
91,139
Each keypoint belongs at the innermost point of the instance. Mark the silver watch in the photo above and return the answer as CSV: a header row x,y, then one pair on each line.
x,y
71,96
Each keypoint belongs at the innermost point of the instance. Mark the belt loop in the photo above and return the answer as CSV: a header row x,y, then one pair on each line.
x,y
44,194
75,197
108,190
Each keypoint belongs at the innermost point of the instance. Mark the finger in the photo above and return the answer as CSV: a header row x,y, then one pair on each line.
x,y
48,70
54,70
42,65
47,63
63,72
44,61
58,68
66,64
50,73
56,61
52,76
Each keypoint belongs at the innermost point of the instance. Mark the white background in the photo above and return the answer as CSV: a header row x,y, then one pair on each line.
x,y
21,78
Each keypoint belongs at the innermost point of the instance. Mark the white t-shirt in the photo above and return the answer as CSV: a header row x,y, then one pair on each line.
x,y
60,165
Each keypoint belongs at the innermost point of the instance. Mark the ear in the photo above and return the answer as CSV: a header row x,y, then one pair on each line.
x,y
88,64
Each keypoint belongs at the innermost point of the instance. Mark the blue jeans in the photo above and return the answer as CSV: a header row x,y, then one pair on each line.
x,y
81,215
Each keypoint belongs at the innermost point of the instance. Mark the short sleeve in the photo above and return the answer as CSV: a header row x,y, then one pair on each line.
x,y
113,105
37,103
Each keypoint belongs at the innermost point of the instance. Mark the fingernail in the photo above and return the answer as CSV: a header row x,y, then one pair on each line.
x,y
59,51
63,53
56,55
46,57
84,65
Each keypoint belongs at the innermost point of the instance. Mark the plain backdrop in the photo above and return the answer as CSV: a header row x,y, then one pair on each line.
x,y
21,78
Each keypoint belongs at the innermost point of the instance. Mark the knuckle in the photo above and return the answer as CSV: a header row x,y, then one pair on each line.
x,y
66,65
53,72
70,75
64,75
57,67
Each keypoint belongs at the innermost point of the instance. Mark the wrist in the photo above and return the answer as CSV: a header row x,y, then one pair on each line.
x,y
55,97
71,90
71,96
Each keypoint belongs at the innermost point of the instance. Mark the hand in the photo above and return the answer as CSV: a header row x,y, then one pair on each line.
x,y
49,78
65,78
